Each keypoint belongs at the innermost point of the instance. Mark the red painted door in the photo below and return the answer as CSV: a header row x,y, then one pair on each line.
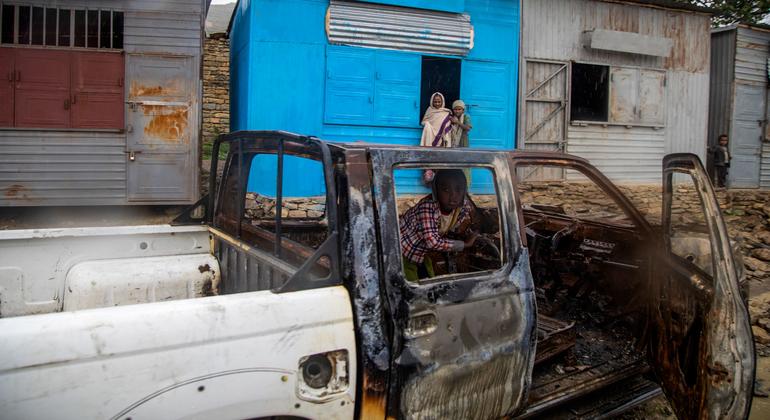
x,y
97,90
7,74
42,97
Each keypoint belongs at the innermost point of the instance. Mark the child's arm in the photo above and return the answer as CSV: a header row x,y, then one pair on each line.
x,y
433,239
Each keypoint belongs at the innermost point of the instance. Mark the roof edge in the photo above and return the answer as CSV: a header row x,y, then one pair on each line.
x,y
668,4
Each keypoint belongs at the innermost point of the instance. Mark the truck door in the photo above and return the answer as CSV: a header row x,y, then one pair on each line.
x,y
462,343
700,337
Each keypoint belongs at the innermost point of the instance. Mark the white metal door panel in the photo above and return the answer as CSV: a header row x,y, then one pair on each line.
x,y
624,93
746,138
234,356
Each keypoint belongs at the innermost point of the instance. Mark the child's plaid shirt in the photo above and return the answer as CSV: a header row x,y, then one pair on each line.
x,y
419,229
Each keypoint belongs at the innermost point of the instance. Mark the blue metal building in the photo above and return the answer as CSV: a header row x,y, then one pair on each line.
x,y
365,70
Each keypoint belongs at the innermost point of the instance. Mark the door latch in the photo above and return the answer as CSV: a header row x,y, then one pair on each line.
x,y
132,154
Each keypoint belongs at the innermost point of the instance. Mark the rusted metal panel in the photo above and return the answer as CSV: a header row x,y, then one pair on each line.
x,y
398,28
162,120
751,54
665,120
52,167
568,21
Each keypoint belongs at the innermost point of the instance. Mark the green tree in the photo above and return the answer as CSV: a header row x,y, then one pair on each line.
x,y
734,11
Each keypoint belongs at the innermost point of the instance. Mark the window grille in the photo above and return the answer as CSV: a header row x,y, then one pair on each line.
x,y
59,27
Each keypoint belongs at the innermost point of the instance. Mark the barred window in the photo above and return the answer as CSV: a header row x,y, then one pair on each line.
x,y
57,27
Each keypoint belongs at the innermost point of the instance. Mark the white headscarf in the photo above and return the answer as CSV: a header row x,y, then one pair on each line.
x,y
436,124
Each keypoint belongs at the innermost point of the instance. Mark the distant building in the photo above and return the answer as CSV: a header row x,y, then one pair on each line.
x,y
100,101
365,70
621,83
740,101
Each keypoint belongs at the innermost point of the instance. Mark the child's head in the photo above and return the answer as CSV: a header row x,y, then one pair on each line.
x,y
449,187
437,100
723,139
458,107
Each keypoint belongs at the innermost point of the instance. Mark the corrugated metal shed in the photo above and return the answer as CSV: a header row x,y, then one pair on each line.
x,y
740,101
751,117
399,28
558,30
91,167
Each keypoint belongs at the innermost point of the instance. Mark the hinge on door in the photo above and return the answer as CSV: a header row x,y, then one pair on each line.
x,y
129,128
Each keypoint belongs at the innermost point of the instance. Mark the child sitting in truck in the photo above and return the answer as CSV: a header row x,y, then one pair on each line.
x,y
426,226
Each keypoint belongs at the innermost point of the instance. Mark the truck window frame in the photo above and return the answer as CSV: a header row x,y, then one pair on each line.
x,y
243,146
505,258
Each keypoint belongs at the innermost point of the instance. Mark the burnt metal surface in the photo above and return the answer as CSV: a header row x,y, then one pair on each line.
x,y
701,342
362,275
462,347
466,347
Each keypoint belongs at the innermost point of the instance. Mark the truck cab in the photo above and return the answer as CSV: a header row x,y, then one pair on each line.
x,y
565,307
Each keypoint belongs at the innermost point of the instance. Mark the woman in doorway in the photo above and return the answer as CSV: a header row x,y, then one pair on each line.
x,y
436,123
436,128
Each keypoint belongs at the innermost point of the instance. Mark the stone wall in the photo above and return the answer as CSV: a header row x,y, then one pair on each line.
x,y
216,87
746,213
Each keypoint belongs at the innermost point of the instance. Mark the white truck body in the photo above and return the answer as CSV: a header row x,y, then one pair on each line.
x,y
181,354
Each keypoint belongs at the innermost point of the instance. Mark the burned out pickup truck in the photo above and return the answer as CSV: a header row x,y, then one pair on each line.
x,y
265,302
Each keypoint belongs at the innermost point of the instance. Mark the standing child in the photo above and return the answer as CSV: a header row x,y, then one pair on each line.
x,y
425,226
461,124
721,156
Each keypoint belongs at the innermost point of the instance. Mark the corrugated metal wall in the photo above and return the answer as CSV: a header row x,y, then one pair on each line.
x,y
399,28
721,83
751,55
69,167
555,30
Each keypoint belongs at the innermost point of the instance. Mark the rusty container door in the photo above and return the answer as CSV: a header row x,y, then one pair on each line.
x,y
160,123
546,102
7,75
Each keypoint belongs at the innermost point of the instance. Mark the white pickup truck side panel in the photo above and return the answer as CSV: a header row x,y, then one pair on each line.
x,y
232,356
34,263
126,281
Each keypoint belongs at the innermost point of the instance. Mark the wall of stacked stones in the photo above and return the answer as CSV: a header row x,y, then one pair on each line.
x,y
216,87
746,212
